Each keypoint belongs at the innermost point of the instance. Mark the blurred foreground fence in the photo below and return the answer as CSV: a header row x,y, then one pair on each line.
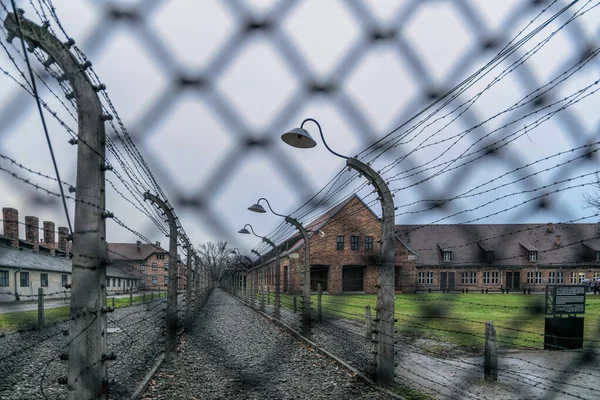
x,y
439,337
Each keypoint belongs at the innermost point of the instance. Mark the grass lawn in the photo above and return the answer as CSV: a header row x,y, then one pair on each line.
x,y
460,318
28,319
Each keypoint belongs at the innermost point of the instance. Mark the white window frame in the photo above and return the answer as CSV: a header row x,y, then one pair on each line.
x,y
447,256
486,277
430,278
573,278
473,278
533,256
154,279
495,277
530,277
538,277
464,278
42,279
421,278
5,283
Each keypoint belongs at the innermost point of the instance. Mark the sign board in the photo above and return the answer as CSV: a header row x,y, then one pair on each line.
x,y
565,299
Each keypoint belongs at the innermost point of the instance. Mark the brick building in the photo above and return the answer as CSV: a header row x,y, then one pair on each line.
x,y
344,253
148,262
495,256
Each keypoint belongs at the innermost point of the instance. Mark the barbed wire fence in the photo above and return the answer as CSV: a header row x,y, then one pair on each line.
x,y
488,140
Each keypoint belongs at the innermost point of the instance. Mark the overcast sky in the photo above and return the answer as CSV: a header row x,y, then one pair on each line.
x,y
195,140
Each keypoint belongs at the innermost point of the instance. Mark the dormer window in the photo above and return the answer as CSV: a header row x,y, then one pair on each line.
x,y
489,256
533,256
447,256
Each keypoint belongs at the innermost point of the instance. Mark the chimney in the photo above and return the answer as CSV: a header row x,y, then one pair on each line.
x,y
11,225
139,244
157,244
550,228
32,232
49,235
557,240
63,233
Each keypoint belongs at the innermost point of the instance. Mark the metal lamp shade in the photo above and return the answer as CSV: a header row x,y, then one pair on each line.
x,y
244,231
257,208
299,138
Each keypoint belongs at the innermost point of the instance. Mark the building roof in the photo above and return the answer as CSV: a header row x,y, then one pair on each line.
x,y
132,251
16,258
557,244
19,258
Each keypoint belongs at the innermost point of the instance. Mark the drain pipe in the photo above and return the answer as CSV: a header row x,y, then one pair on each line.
x,y
16,286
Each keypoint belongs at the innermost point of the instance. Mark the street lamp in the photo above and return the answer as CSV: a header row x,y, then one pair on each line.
x,y
245,231
300,138
256,207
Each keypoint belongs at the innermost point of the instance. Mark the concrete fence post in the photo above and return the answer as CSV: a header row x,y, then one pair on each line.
x,y
369,331
171,317
188,288
262,297
113,303
268,295
295,306
159,292
40,308
144,297
131,296
490,363
87,370
151,296
319,308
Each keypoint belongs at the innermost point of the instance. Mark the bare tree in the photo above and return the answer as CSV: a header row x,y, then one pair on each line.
x,y
216,258
592,200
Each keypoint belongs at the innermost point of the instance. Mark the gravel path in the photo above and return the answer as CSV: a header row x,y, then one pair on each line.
x,y
235,353
30,365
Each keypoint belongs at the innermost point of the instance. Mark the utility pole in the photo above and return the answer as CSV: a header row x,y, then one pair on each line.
x,y
87,371
171,317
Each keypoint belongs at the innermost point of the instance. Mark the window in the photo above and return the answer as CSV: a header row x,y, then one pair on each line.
x,y
598,256
368,242
154,267
340,242
114,282
142,280
469,278
354,242
44,280
538,277
24,279
160,256
4,278
425,278
495,278
596,276
530,276
128,283
533,256
447,256
489,256
154,279
556,277
166,280
486,277
580,277
130,267
166,266
119,282
573,277
107,282
64,279
142,267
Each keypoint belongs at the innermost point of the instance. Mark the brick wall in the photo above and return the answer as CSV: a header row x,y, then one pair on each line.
x,y
10,224
355,219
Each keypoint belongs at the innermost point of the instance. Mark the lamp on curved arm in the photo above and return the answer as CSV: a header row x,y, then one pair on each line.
x,y
300,138
256,207
245,231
